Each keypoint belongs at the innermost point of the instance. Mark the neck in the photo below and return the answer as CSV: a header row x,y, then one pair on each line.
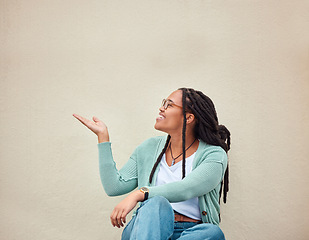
x,y
176,141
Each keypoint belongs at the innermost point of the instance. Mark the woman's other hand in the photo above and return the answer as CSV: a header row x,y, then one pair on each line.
x,y
96,126
118,216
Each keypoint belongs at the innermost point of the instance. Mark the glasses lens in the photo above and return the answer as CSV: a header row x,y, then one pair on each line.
x,y
163,103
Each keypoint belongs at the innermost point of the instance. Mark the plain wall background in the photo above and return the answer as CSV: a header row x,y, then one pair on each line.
x,y
117,60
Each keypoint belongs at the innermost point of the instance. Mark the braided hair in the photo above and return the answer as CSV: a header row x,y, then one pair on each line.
x,y
206,128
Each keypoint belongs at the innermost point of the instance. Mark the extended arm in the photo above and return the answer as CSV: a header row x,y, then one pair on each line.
x,y
116,182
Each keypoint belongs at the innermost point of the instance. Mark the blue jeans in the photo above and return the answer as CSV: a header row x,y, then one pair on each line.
x,y
154,220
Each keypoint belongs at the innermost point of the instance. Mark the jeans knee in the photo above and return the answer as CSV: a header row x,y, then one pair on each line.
x,y
154,219
158,202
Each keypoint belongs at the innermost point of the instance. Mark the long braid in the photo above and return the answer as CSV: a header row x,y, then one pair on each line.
x,y
207,128
225,134
159,158
184,128
167,143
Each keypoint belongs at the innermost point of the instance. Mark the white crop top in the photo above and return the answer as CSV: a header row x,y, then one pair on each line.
x,y
167,174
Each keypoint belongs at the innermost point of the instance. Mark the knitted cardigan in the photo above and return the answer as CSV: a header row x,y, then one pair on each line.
x,y
204,181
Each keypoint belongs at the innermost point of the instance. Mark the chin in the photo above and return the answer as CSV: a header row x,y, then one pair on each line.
x,y
159,128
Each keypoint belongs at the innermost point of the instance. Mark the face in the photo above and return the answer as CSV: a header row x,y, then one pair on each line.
x,y
170,120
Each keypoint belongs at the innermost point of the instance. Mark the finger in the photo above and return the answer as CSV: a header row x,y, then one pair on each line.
x,y
95,119
83,120
119,218
80,118
77,116
114,219
123,217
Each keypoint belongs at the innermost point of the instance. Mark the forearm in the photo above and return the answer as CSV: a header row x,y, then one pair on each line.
x,y
197,183
115,182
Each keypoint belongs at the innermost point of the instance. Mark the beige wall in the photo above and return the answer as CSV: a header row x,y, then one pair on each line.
x,y
117,60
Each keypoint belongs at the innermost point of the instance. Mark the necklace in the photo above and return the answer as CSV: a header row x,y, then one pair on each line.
x,y
173,162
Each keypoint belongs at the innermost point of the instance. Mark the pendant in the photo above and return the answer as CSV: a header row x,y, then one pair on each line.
x,y
173,162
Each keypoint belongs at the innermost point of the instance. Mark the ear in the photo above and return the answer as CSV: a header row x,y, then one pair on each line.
x,y
190,118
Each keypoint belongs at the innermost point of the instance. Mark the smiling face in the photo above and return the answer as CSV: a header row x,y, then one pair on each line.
x,y
170,120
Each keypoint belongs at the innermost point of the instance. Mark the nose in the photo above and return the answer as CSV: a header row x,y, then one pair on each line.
x,y
162,109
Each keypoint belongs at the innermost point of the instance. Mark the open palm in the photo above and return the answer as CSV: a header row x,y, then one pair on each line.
x,y
96,126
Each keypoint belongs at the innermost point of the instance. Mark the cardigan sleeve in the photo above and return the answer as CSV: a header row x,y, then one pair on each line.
x,y
116,182
203,179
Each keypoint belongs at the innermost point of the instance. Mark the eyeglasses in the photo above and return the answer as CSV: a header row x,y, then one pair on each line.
x,y
168,103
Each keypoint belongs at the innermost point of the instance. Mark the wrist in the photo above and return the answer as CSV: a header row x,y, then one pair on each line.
x,y
145,192
139,196
103,137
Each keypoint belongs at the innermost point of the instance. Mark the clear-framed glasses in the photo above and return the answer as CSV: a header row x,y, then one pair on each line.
x,y
168,103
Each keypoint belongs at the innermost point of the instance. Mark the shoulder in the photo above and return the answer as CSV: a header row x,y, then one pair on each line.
x,y
211,153
152,143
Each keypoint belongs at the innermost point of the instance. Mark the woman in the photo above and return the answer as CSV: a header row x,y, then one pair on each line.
x,y
179,176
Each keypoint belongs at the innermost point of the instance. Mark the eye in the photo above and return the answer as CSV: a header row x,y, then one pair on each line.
x,y
169,105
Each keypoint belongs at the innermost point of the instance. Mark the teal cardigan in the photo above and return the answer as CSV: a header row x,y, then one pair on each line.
x,y
204,181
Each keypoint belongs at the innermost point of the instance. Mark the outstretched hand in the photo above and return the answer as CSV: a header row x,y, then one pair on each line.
x,y
120,212
96,126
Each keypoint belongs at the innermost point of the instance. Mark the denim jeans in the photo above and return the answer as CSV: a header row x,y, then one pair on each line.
x,y
154,220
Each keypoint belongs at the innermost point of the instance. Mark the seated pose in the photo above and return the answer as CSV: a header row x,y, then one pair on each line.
x,y
179,176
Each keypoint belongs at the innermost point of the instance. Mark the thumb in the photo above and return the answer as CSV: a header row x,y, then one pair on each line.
x,y
95,119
